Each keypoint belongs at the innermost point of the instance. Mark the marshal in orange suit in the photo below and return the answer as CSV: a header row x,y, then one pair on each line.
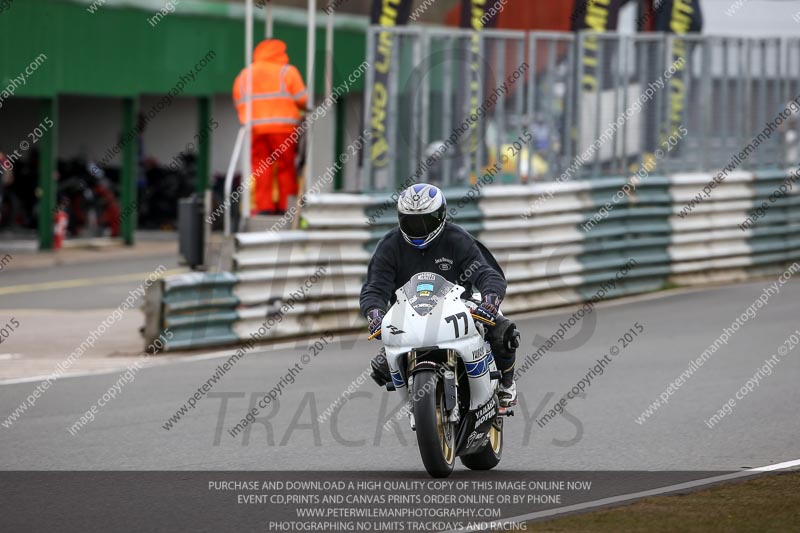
x,y
279,95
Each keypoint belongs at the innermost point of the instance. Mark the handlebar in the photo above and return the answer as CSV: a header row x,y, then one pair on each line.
x,y
483,320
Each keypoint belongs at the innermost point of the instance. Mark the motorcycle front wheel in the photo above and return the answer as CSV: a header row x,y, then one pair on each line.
x,y
489,456
435,435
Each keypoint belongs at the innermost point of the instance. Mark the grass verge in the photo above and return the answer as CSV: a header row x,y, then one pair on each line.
x,y
768,503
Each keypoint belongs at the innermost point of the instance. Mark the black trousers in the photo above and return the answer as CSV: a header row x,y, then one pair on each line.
x,y
503,356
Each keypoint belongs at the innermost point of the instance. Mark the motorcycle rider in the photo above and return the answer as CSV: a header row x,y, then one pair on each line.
x,y
426,242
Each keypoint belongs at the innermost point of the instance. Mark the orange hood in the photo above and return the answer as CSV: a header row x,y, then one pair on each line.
x,y
271,51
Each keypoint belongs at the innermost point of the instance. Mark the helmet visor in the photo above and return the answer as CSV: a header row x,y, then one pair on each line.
x,y
419,226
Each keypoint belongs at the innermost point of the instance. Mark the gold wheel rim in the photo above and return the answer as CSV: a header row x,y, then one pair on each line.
x,y
495,438
447,450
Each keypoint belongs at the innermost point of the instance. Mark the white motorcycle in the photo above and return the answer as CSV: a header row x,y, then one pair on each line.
x,y
436,352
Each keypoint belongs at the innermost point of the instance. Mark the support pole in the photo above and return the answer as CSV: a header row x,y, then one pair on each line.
x,y
204,143
269,25
130,108
338,178
338,139
244,201
329,54
311,45
48,150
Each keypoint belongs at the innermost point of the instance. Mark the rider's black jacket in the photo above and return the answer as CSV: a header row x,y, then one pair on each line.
x,y
455,255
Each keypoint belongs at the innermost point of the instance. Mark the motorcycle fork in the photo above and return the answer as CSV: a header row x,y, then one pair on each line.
x,y
450,382
448,371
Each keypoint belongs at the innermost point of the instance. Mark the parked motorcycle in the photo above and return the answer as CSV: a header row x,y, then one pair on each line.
x,y
437,355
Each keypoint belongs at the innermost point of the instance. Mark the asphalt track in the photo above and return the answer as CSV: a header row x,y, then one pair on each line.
x,y
599,431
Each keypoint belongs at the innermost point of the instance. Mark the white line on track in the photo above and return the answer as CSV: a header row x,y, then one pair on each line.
x,y
155,361
652,492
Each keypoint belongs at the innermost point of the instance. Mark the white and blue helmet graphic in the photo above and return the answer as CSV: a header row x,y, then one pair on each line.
x,y
422,212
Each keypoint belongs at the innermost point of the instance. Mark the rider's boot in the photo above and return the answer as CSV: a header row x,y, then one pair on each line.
x,y
507,392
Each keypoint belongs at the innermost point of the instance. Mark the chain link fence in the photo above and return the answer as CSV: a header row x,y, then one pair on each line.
x,y
449,105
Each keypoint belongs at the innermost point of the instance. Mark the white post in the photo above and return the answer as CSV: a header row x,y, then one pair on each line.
x,y
329,54
268,29
311,44
248,139
329,73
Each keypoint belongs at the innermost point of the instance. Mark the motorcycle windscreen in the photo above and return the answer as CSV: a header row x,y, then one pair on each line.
x,y
425,290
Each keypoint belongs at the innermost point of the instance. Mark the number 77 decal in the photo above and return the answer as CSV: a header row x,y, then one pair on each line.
x,y
454,320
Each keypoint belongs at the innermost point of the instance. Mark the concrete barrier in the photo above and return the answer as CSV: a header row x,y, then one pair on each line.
x,y
552,244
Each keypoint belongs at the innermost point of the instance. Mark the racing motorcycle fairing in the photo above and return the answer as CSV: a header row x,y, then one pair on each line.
x,y
428,315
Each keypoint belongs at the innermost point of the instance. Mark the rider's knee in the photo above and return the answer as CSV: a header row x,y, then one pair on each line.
x,y
504,338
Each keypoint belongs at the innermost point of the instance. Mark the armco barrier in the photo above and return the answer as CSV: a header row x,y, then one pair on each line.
x,y
199,310
549,256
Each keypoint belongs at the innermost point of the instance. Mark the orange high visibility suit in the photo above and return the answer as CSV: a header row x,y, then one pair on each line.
x,y
278,96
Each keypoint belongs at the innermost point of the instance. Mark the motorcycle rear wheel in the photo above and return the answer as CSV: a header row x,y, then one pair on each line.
x,y
435,435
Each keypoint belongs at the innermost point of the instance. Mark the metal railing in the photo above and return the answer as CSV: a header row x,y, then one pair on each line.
x,y
229,175
593,105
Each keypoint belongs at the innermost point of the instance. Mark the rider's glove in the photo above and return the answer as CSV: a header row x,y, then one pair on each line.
x,y
489,308
375,317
